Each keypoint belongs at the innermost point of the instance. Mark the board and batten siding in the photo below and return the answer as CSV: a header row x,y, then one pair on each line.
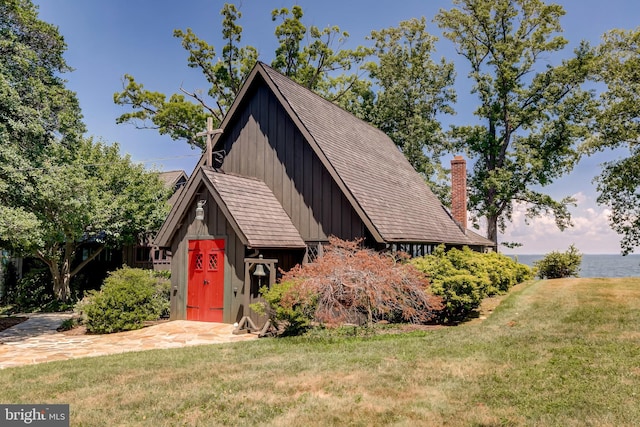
x,y
264,143
215,226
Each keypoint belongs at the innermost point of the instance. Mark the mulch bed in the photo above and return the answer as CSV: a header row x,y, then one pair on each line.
x,y
7,322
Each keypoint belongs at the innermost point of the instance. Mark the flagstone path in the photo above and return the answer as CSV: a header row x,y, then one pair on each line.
x,y
36,340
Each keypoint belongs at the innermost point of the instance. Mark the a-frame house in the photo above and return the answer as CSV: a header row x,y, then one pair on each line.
x,y
289,170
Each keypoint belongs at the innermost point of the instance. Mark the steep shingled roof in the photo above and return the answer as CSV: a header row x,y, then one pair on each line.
x,y
171,178
380,183
392,194
265,227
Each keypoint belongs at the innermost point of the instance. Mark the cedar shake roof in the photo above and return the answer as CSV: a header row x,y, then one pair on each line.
x,y
391,198
476,239
171,178
394,197
255,210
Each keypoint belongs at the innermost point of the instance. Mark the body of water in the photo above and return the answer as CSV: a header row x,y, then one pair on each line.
x,y
598,265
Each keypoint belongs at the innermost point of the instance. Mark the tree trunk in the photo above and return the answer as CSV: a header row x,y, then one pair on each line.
x,y
492,229
62,274
62,280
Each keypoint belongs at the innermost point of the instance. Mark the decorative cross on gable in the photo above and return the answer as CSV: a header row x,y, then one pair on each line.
x,y
209,133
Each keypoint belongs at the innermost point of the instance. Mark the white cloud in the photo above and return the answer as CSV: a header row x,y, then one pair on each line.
x,y
590,233
581,198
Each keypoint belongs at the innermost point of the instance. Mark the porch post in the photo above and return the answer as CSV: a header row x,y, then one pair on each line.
x,y
246,325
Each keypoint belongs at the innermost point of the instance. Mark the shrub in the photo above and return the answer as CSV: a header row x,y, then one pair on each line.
x,y
34,291
68,324
350,284
162,274
523,272
163,291
461,293
504,272
127,299
286,305
463,278
10,281
556,265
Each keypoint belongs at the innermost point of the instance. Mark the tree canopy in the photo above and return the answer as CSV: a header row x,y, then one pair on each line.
x,y
85,195
57,189
402,91
618,126
35,106
533,115
316,65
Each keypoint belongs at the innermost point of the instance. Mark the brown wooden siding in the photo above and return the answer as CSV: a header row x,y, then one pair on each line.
x,y
215,226
130,257
264,143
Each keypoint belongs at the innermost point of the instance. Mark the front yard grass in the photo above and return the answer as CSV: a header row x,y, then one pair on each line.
x,y
559,352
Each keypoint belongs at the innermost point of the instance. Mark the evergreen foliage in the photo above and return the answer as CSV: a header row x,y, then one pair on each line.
x,y
463,278
556,265
128,298
289,306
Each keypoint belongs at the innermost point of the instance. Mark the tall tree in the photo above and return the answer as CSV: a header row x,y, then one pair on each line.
x,y
56,189
412,90
85,194
533,113
618,126
36,111
35,106
313,65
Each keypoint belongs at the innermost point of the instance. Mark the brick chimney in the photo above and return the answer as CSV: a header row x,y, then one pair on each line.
x,y
459,191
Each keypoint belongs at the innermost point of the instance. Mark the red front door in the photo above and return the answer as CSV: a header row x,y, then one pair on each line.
x,y
205,294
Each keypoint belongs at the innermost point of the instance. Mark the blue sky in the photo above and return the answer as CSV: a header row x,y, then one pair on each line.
x,y
107,39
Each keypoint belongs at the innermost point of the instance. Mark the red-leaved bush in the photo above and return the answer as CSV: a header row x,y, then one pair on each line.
x,y
350,284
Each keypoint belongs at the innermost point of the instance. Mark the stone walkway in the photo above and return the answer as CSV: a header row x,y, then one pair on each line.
x,y
36,340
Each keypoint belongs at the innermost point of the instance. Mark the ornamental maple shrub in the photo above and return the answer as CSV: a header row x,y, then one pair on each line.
x,y
351,284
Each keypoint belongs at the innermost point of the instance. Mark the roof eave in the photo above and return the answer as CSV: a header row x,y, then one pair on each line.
x,y
271,246
170,225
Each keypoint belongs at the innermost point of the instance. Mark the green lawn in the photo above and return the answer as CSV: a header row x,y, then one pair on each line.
x,y
563,352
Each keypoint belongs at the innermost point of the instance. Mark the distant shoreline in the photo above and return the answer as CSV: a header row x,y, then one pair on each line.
x,y
597,265
541,255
